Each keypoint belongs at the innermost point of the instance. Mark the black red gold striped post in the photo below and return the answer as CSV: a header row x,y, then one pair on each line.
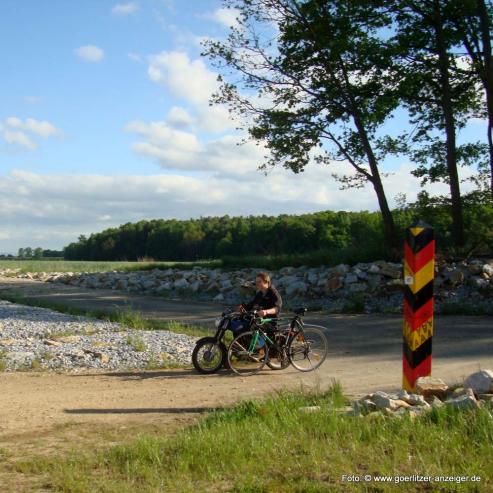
x,y
419,271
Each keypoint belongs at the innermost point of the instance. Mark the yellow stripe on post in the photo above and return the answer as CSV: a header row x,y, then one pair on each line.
x,y
415,338
420,278
416,231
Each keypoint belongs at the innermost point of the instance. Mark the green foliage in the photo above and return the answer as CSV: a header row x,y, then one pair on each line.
x,y
354,304
222,237
270,446
136,342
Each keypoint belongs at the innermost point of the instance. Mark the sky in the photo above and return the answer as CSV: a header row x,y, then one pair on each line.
x,y
104,120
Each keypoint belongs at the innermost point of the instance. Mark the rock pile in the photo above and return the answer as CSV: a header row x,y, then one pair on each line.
x,y
378,284
477,391
37,338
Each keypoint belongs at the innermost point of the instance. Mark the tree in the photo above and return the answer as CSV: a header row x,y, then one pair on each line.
x,y
324,85
38,252
21,253
474,21
439,95
28,252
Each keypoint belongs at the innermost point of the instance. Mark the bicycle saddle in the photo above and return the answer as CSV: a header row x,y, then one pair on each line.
x,y
300,311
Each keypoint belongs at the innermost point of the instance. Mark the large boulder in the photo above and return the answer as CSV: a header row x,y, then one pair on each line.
x,y
463,402
428,386
481,382
181,284
298,287
350,279
340,270
333,284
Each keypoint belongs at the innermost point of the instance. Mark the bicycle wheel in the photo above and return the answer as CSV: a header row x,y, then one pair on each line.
x,y
308,349
245,359
209,355
278,357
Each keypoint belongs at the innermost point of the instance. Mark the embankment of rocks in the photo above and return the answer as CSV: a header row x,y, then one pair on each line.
x,y
378,285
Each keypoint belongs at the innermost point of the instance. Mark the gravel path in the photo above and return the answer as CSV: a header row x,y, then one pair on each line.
x,y
32,338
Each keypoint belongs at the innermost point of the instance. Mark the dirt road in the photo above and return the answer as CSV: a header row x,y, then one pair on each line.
x,y
365,355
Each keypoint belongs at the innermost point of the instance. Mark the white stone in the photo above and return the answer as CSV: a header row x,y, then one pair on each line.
x,y
340,269
20,358
358,287
181,284
296,287
428,386
480,382
309,409
350,279
463,402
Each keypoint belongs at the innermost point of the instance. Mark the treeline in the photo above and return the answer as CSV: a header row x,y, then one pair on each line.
x,y
359,233
37,253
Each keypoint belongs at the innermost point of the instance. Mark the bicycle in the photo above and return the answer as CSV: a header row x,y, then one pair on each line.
x,y
304,347
210,353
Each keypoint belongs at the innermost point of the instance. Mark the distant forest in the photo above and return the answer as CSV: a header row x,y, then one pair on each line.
x,y
327,231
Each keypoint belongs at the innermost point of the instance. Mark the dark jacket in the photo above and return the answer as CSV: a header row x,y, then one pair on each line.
x,y
270,299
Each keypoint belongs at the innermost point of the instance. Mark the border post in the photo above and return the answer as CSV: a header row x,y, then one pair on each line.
x,y
419,272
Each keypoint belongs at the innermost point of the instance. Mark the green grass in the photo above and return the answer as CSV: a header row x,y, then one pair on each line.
x,y
127,317
354,303
136,342
26,266
350,255
270,446
466,308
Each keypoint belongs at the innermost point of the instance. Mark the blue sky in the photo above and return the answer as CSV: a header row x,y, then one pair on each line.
x,y
104,119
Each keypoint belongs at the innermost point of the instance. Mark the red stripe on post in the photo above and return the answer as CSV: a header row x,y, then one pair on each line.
x,y
417,261
422,370
418,318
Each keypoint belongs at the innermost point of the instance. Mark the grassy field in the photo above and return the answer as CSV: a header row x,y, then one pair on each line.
x,y
270,446
86,266
270,262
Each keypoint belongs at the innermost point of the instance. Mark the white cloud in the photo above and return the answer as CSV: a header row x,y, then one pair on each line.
x,y
125,8
90,53
14,130
214,119
135,57
19,138
192,81
56,209
188,79
226,17
181,150
41,128
179,117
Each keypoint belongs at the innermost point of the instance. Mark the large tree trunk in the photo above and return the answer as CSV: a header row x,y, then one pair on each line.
x,y
388,220
449,121
484,22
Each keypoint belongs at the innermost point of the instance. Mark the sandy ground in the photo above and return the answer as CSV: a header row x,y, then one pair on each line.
x,y
365,355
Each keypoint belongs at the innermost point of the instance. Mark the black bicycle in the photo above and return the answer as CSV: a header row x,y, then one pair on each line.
x,y
303,346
